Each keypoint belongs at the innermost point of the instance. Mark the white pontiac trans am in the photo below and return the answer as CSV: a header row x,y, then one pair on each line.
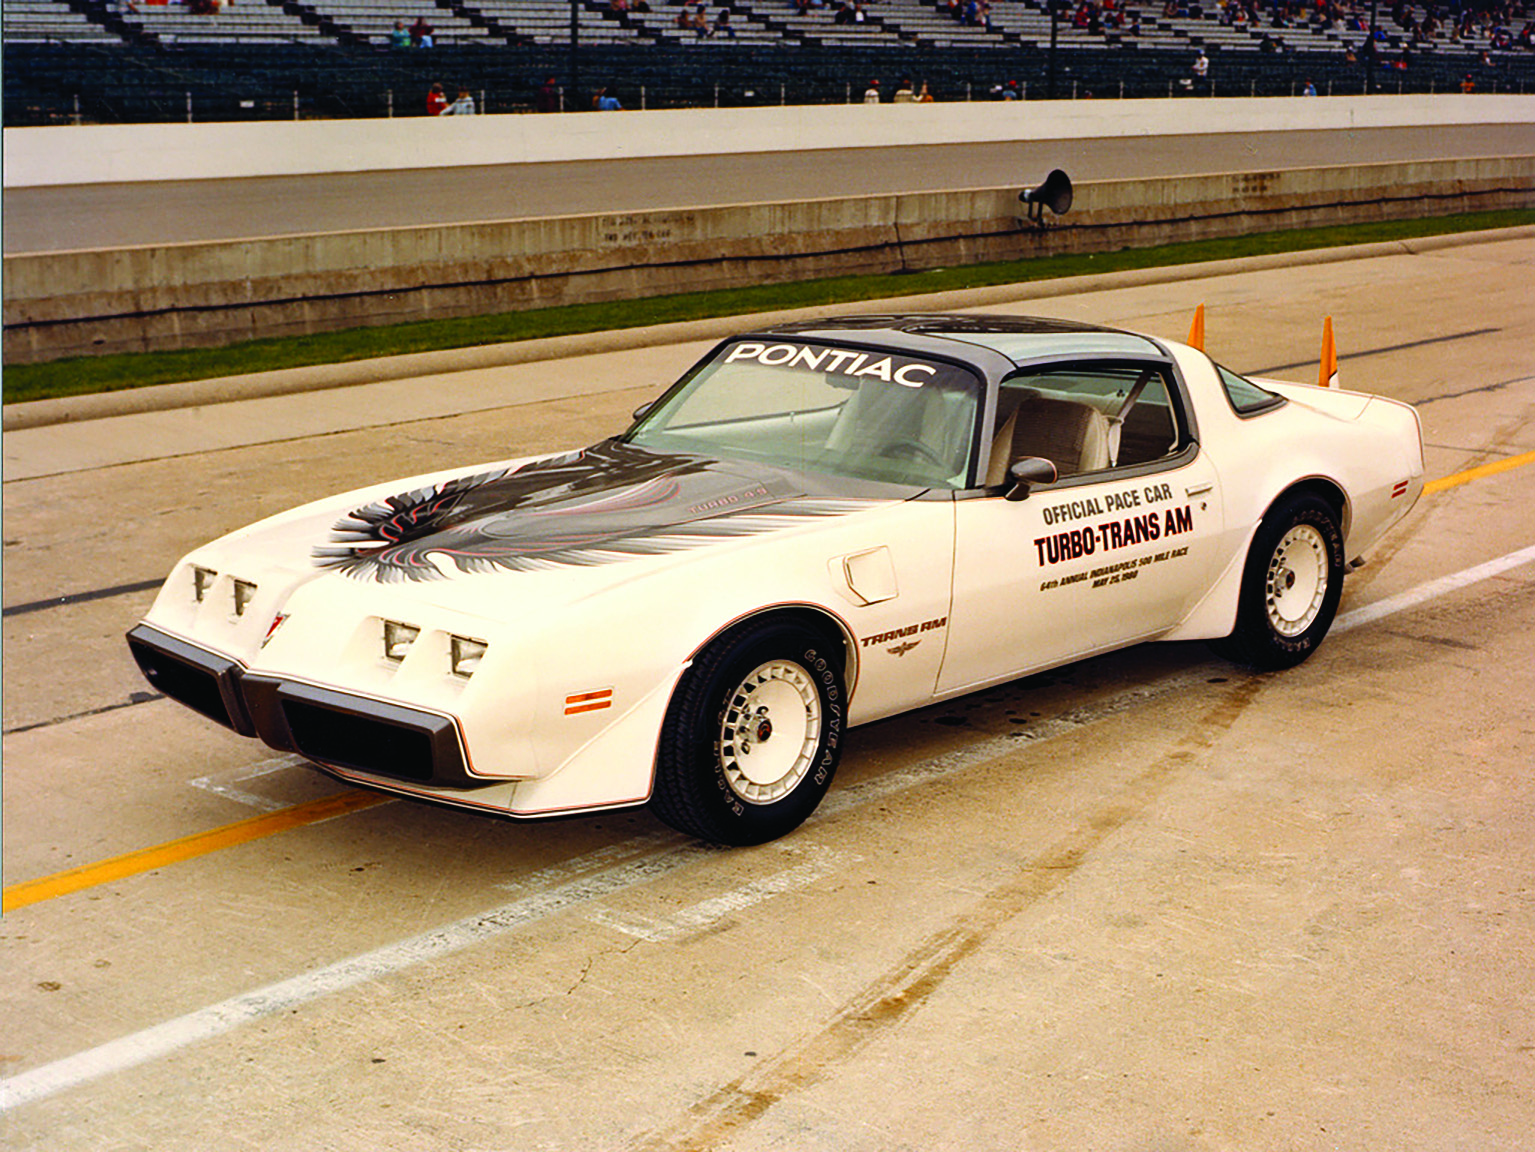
x,y
821,524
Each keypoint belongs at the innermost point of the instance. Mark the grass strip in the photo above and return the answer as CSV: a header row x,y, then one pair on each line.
x,y
78,376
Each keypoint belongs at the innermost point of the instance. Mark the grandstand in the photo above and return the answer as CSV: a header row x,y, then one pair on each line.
x,y
142,60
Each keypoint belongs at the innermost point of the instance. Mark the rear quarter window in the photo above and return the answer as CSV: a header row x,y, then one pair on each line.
x,y
1247,398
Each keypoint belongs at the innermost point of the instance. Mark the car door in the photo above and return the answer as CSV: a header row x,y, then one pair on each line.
x,y
1118,550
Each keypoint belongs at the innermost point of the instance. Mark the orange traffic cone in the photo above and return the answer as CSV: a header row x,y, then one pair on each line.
x,y
1328,377
1197,329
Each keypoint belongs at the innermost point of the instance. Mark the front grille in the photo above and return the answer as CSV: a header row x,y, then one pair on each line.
x,y
361,742
197,689
336,728
348,731
187,674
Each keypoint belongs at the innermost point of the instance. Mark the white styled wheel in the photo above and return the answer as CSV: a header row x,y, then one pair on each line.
x,y
770,733
753,733
1290,586
1297,580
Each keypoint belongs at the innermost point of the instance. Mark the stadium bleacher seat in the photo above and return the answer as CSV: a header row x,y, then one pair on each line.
x,y
112,60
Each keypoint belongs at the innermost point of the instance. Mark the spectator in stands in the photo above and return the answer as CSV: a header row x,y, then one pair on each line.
x,y
923,95
436,101
400,37
607,100
903,93
463,106
871,93
1201,69
1309,89
548,96
422,34
722,25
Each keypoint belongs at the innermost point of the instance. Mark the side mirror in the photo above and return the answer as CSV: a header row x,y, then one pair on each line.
x,y
640,412
1028,471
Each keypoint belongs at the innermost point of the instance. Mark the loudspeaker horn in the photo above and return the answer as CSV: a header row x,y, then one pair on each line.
x,y
1054,193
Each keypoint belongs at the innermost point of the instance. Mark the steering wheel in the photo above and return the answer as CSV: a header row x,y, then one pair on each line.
x,y
916,449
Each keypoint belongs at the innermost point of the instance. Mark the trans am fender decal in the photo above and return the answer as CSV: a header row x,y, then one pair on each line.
x,y
605,504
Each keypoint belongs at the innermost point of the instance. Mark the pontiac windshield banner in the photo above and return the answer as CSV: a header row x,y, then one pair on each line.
x,y
842,362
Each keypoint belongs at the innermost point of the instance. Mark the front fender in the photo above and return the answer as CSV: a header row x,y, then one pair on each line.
x,y
614,768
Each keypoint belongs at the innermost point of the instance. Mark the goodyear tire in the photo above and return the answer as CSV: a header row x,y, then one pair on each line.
x,y
753,734
1290,586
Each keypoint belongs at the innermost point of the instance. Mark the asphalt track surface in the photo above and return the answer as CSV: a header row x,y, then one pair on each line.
x,y
119,215
1146,901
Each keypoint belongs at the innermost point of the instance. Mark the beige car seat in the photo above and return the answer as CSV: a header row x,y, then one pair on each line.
x,y
1072,435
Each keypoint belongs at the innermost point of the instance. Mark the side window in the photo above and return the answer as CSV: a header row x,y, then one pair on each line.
x,y
1085,418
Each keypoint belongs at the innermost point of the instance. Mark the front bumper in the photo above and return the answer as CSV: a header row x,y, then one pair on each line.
x,y
391,741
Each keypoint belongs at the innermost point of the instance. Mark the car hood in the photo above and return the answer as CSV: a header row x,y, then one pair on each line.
x,y
585,509
563,528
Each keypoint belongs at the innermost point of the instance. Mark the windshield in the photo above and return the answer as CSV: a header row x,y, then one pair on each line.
x,y
868,415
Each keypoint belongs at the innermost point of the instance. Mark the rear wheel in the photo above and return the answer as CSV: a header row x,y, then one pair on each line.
x,y
753,734
1290,586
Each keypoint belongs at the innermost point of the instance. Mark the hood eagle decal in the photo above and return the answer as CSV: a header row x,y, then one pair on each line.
x,y
604,504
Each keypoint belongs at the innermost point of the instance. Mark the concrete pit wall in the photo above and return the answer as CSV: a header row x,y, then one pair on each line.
x,y
113,153
200,295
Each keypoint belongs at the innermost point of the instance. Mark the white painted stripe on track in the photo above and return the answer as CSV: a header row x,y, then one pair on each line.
x,y
1369,613
162,1039
223,784
651,857
707,913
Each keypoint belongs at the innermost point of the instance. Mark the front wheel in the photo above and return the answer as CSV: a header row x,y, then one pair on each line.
x,y
1290,586
753,734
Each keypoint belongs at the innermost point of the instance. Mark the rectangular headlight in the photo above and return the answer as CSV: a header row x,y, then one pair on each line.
x,y
397,639
245,592
202,581
465,655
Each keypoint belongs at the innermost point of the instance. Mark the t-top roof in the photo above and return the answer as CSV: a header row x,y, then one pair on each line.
x,y
1021,339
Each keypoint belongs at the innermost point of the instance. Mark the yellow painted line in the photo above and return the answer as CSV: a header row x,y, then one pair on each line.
x,y
175,851
1478,473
